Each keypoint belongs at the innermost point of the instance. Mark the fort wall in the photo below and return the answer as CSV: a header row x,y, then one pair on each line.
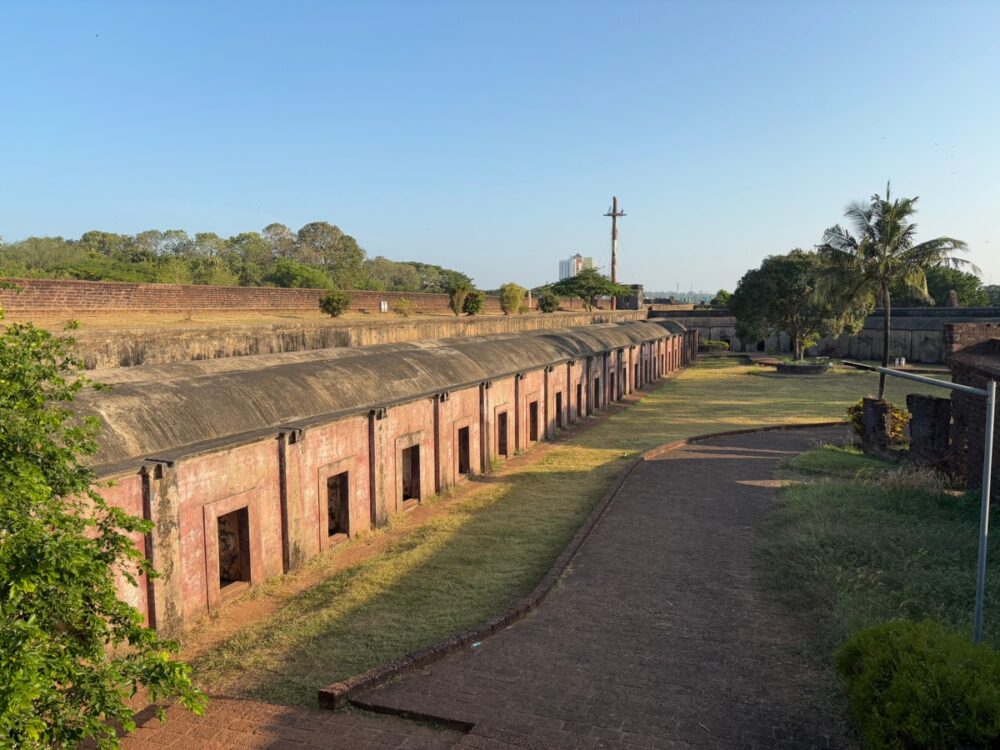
x,y
248,468
71,296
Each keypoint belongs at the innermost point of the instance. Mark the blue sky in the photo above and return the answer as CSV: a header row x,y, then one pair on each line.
x,y
490,137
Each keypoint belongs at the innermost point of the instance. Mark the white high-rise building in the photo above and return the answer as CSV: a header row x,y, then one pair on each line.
x,y
573,265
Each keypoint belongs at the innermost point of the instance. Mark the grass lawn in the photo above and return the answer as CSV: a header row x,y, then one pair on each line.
x,y
858,541
493,545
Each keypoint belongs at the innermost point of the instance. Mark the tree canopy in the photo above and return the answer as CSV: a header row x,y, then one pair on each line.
x,y
721,298
318,255
941,281
589,285
71,652
781,295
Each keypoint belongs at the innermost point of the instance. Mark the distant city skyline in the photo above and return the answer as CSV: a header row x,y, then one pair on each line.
x,y
457,134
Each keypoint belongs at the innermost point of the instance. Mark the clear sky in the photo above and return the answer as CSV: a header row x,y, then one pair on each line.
x,y
490,137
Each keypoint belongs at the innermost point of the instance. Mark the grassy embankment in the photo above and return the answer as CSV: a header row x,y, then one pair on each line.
x,y
493,544
857,541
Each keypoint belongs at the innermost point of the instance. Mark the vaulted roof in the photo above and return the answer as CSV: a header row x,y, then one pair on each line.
x,y
165,411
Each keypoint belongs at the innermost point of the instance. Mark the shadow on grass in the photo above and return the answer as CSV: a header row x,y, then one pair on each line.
x,y
440,578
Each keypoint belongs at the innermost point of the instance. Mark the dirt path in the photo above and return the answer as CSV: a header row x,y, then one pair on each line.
x,y
659,635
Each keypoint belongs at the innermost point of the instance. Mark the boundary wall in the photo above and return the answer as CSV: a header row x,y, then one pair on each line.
x,y
238,508
62,295
917,333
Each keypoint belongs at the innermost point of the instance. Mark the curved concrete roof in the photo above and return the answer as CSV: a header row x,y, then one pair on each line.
x,y
167,410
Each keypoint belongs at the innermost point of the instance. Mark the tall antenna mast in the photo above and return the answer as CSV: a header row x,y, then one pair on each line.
x,y
614,213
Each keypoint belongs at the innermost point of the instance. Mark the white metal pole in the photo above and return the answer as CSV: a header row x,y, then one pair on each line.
x,y
984,521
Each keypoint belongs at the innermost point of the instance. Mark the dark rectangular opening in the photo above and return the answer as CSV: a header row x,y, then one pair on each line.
x,y
611,382
411,473
559,410
533,421
637,375
464,465
234,548
502,434
579,399
337,504
597,393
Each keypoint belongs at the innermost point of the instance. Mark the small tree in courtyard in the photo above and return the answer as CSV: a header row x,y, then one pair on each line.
x,y
71,653
473,304
335,303
589,285
781,296
512,299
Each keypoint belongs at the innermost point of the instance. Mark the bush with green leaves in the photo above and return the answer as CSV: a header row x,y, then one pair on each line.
x,y
918,685
335,303
548,302
898,418
457,295
404,308
712,345
473,304
71,652
512,299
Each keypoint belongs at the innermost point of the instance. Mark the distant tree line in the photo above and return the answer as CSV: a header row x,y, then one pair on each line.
x,y
319,255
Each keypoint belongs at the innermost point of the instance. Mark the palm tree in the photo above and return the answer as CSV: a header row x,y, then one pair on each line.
x,y
881,253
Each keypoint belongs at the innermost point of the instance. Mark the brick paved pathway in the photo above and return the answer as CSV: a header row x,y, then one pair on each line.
x,y
231,724
659,634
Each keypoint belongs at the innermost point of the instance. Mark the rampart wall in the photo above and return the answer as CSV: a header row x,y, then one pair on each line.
x,y
249,467
59,295
102,349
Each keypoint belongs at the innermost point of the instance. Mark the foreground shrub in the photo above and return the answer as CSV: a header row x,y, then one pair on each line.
x,y
897,431
71,652
711,345
335,303
918,685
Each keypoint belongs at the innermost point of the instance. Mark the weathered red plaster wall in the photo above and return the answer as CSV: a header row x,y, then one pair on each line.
x,y
325,451
461,409
219,482
500,398
406,425
531,388
577,376
597,370
187,496
126,493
